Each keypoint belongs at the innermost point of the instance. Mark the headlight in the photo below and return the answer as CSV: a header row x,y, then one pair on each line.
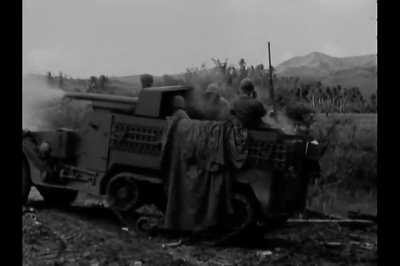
x,y
44,148
313,150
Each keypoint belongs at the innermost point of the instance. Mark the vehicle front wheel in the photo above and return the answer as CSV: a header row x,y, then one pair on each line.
x,y
26,182
58,196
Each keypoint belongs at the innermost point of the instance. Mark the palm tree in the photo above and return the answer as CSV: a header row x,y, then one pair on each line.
x,y
242,68
49,79
92,84
60,80
373,102
102,81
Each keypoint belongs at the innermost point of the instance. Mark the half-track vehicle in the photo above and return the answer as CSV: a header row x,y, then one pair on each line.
x,y
117,154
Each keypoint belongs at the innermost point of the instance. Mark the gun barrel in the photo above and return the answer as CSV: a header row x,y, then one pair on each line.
x,y
102,97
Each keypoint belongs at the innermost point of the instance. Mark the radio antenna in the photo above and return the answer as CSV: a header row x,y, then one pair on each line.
x,y
271,82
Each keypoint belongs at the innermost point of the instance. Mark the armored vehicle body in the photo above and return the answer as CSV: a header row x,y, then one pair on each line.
x,y
118,153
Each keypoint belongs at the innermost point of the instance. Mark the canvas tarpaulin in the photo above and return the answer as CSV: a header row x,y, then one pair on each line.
x,y
200,157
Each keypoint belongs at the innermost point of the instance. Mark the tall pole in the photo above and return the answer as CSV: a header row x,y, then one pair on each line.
x,y
271,83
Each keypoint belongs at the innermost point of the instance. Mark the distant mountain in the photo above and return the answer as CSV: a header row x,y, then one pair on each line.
x,y
354,71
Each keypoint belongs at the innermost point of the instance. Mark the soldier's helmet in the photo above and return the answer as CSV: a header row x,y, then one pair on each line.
x,y
247,87
146,80
178,102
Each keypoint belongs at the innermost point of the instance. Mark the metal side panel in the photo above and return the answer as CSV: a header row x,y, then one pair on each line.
x,y
149,103
134,159
92,150
137,141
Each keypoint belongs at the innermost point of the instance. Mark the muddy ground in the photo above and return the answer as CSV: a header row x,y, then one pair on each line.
x,y
87,234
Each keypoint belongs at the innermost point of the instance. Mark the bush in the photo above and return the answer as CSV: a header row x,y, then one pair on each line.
x,y
350,158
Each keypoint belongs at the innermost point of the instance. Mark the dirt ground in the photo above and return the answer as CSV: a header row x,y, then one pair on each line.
x,y
87,234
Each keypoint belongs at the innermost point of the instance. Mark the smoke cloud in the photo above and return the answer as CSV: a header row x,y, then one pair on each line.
x,y
281,121
38,100
206,110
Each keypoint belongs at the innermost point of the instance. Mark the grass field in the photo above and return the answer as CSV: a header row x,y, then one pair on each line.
x,y
349,166
365,122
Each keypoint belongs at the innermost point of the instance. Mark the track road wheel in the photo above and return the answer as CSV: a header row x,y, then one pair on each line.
x,y
58,196
26,182
147,225
245,213
123,192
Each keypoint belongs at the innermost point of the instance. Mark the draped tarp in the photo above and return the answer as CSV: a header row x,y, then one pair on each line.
x,y
199,159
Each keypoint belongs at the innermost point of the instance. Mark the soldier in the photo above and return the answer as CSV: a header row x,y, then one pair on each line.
x,y
179,107
146,80
246,108
216,106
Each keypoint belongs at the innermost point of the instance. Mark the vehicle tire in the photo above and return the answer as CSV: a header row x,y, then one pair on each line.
x,y
124,192
26,182
245,212
57,196
147,225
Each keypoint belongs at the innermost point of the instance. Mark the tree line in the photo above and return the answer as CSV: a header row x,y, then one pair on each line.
x,y
288,90
64,82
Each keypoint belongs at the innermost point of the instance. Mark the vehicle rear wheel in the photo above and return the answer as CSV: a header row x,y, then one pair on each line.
x,y
245,212
26,182
58,196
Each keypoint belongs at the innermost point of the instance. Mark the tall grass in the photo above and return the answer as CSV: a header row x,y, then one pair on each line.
x,y
349,165
335,200
350,159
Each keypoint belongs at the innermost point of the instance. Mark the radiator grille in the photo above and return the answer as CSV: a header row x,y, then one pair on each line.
x,y
136,138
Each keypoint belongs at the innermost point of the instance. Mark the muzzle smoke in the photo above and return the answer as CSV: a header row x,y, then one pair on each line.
x,y
208,109
38,100
281,121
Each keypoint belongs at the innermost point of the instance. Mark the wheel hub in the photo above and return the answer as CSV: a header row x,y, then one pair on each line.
x,y
123,193
243,213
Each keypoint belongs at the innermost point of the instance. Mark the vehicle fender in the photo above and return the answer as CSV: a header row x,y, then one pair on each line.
x,y
35,164
260,181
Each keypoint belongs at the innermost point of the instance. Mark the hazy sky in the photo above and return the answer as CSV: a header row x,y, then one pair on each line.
x,y
123,37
